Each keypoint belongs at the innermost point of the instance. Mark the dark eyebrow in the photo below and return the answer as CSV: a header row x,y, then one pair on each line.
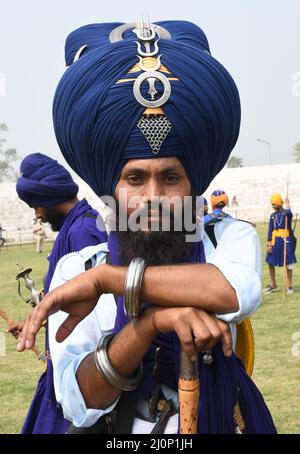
x,y
141,171
171,169
136,170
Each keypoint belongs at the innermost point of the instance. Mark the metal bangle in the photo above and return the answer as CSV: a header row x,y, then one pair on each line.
x,y
108,373
133,284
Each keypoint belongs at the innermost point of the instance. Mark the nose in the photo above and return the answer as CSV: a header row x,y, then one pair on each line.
x,y
152,191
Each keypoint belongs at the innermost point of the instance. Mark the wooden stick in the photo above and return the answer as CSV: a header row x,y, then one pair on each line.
x,y
284,276
188,392
10,323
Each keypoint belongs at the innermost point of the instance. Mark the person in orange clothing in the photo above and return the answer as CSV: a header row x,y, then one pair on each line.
x,y
280,232
219,200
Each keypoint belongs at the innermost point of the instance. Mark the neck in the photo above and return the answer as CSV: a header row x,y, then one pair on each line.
x,y
67,206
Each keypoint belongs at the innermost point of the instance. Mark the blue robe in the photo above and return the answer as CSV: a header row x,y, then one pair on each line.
x,y
223,384
216,214
207,218
277,221
78,230
219,213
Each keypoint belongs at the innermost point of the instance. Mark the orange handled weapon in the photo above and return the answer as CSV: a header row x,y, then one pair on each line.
x,y
188,392
10,323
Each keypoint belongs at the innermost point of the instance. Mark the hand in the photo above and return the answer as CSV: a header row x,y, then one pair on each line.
x,y
198,330
16,329
78,298
287,202
269,248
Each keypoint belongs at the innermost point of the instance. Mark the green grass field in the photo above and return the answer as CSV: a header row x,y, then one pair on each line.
x,y
276,372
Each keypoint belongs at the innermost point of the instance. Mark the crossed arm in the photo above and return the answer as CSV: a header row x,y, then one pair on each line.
x,y
184,298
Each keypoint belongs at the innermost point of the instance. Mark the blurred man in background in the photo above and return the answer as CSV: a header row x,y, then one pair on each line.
x,y
281,243
48,188
219,200
40,235
2,239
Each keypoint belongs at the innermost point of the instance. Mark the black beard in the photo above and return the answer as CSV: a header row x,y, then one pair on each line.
x,y
156,248
54,218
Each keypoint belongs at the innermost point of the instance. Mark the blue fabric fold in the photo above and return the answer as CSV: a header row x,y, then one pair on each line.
x,y
44,182
95,117
45,415
222,384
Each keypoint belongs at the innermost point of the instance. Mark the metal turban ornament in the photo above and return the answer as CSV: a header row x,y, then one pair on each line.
x,y
154,124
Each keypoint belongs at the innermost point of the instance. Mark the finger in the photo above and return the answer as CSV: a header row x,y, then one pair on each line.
x,y
203,346
226,338
11,328
30,335
203,339
67,328
22,338
15,333
186,338
45,308
212,326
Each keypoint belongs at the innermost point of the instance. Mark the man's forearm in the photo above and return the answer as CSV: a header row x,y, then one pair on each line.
x,y
201,286
135,337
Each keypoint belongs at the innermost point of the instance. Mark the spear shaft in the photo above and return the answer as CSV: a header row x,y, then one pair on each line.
x,y
10,323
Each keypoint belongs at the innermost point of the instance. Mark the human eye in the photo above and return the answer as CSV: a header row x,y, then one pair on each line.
x,y
134,179
172,178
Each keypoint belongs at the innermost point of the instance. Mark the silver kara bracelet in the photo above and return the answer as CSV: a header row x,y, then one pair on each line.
x,y
133,284
108,373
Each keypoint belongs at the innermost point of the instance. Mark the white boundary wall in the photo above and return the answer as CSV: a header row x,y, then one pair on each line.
x,y
252,186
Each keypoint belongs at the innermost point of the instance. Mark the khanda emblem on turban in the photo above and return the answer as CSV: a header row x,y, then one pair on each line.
x,y
146,35
147,46
153,124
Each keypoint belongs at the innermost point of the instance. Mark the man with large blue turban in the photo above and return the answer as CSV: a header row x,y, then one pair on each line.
x,y
144,112
48,188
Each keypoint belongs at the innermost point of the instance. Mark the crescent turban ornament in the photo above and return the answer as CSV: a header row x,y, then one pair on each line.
x,y
133,91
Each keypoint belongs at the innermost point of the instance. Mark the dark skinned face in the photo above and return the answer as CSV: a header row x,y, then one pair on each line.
x,y
52,215
150,179
276,207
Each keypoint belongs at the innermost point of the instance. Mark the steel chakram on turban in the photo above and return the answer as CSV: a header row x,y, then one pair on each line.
x,y
44,182
144,91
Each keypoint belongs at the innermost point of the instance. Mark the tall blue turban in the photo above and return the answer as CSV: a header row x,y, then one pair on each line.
x,y
44,182
95,116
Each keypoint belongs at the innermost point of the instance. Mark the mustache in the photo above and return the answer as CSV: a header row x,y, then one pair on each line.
x,y
155,216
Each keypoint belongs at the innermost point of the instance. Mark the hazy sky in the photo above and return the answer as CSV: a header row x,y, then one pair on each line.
x,y
258,41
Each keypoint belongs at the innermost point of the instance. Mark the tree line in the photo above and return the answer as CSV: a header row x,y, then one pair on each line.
x,y
234,161
8,158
